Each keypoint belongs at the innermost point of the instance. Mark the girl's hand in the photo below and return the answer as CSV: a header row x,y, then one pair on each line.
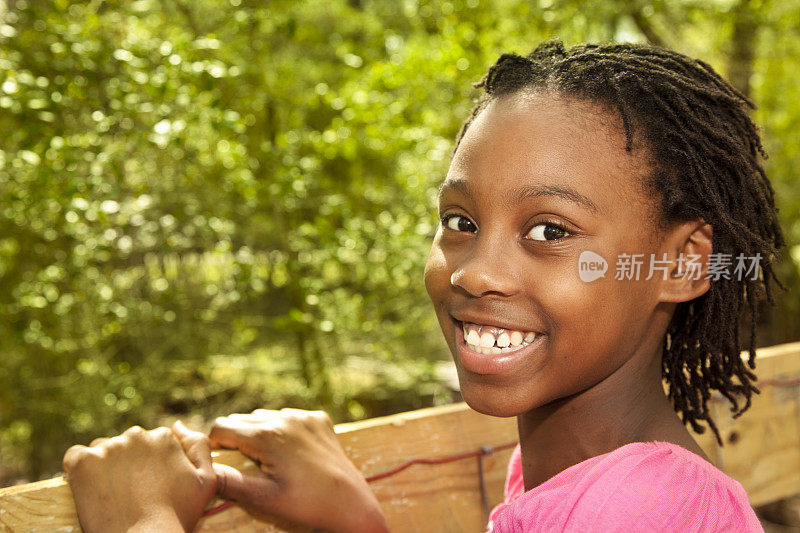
x,y
307,478
157,480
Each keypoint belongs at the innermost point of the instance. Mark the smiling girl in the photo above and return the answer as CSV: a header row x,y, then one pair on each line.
x,y
629,152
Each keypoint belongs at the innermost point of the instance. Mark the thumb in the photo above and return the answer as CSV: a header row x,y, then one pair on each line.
x,y
195,445
253,490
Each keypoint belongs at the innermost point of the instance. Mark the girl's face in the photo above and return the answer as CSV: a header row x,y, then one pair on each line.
x,y
536,181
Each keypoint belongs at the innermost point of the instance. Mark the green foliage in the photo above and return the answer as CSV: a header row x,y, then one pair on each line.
x,y
221,205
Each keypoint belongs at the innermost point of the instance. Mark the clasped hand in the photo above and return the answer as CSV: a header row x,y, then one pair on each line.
x,y
162,480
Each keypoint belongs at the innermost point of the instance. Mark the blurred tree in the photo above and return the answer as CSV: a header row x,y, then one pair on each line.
x,y
219,205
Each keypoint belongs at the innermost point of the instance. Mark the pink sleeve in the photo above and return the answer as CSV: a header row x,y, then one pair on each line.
x,y
648,490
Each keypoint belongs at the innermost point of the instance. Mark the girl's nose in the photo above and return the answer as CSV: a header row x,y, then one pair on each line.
x,y
484,271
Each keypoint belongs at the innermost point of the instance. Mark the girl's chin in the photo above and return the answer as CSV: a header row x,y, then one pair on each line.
x,y
491,401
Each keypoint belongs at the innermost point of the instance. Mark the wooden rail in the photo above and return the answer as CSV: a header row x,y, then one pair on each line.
x,y
762,451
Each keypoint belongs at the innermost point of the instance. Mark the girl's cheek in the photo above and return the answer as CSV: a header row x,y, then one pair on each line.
x,y
579,303
436,270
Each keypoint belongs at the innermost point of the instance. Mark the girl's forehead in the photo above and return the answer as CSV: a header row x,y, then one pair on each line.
x,y
546,123
525,141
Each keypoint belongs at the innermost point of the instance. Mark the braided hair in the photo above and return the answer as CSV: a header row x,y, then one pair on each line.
x,y
705,164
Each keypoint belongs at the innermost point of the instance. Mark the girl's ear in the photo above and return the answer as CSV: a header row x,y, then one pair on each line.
x,y
689,244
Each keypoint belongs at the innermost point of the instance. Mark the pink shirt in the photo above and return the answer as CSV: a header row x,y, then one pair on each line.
x,y
642,486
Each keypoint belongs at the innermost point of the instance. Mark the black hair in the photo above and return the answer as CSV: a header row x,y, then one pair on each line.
x,y
705,157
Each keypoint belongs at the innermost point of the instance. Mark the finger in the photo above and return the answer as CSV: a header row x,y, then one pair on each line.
x,y
248,489
160,438
195,445
71,457
134,432
230,433
238,417
98,441
323,419
295,411
257,416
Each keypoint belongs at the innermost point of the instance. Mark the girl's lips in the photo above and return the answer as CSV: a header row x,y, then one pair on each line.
x,y
502,363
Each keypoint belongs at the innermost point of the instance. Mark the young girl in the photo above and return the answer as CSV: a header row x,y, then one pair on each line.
x,y
604,220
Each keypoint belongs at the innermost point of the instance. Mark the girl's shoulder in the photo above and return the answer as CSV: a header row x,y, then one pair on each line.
x,y
642,486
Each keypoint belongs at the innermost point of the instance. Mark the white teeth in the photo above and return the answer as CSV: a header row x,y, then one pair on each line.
x,y
503,340
487,340
491,340
516,338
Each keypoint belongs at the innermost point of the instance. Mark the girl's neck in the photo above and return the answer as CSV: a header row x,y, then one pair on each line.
x,y
628,406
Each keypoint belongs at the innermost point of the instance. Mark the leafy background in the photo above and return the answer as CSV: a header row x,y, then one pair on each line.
x,y
209,206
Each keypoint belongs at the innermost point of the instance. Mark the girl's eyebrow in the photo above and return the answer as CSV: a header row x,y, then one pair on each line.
x,y
526,192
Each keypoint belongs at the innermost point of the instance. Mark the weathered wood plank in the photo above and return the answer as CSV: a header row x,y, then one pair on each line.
x,y
762,451
410,499
762,447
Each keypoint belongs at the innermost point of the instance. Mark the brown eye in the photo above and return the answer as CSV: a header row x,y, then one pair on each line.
x,y
547,232
459,223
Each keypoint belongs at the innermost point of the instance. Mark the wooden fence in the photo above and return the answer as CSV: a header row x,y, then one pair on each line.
x,y
762,451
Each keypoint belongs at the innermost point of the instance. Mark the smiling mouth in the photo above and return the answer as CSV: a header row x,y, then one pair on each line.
x,y
493,340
